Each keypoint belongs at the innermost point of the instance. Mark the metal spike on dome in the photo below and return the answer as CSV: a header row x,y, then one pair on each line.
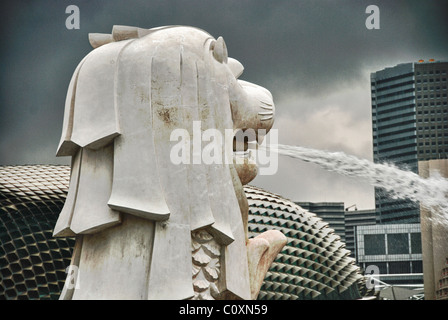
x,y
296,270
311,292
320,286
305,281
342,289
307,291
262,295
275,286
328,290
267,285
284,287
326,280
334,283
304,272
270,295
298,290
278,296
290,224
319,276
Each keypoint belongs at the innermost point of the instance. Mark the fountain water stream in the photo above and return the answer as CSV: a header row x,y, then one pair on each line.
x,y
431,193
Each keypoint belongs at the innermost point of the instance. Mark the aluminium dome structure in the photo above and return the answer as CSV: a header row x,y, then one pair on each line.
x,y
313,265
32,261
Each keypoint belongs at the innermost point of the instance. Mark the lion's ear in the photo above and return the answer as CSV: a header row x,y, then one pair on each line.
x,y
219,50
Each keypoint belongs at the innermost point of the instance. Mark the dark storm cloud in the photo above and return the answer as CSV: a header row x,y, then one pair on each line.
x,y
312,47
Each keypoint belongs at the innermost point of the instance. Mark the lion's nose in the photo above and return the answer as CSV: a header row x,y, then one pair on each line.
x,y
260,108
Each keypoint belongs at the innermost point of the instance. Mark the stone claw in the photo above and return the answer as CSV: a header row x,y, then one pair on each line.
x,y
261,252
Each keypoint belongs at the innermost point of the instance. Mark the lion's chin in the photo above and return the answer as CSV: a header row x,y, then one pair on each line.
x,y
245,143
246,167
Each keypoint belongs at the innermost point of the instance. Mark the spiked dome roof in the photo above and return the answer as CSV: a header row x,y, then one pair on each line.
x,y
313,265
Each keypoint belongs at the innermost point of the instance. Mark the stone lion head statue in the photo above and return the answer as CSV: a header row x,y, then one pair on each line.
x,y
124,101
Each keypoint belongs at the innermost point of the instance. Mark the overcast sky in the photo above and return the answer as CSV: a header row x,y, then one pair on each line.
x,y
315,57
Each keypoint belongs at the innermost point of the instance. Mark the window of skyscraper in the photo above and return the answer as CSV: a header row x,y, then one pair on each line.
x,y
374,244
399,267
417,266
397,243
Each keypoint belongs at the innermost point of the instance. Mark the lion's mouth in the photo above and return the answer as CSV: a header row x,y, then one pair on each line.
x,y
245,140
245,144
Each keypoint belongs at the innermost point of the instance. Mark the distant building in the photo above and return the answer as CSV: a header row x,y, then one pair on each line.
x,y
410,124
330,212
353,220
434,237
395,250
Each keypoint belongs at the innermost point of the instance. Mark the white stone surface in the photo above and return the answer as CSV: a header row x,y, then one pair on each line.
x,y
262,251
132,209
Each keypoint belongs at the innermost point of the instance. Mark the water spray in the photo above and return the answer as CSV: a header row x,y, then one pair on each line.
x,y
431,192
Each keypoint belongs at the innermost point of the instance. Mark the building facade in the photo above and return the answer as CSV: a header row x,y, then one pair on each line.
x,y
410,124
434,230
394,251
353,220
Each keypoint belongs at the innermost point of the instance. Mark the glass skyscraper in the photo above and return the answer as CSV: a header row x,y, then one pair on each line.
x,y
409,123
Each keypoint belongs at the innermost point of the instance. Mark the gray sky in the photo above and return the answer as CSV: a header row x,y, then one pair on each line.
x,y
315,56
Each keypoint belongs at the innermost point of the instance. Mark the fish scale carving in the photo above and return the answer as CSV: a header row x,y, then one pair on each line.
x,y
206,253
